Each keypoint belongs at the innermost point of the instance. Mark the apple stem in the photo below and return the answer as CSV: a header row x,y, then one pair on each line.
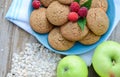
x,y
66,69
113,62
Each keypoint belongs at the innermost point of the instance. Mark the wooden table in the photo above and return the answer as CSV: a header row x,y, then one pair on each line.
x,y
13,39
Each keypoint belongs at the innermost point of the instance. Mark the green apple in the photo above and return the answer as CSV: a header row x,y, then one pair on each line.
x,y
106,59
72,66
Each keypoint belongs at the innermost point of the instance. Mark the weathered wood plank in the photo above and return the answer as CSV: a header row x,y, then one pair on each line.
x,y
116,34
12,39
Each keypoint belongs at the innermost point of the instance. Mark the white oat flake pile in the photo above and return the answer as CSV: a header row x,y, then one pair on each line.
x,y
34,61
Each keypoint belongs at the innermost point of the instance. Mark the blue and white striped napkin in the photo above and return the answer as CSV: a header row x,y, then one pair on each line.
x,y
19,13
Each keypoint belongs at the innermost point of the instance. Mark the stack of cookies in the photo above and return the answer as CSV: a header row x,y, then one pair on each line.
x,y
53,19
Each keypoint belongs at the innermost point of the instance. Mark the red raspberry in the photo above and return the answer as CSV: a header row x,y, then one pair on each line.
x,y
36,4
73,16
74,7
83,12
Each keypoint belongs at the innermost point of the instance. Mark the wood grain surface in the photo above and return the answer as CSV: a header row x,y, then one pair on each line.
x,y
13,39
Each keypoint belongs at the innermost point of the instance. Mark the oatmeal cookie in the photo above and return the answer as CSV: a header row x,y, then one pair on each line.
x,y
39,22
66,1
97,4
71,31
57,41
90,38
46,3
97,21
57,13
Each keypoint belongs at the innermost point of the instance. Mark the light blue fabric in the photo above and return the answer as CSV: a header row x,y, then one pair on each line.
x,y
19,13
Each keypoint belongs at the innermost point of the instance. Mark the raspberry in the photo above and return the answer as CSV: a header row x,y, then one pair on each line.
x,y
83,12
74,7
73,16
36,4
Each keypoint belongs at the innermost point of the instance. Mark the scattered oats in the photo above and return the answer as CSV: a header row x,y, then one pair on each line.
x,y
34,61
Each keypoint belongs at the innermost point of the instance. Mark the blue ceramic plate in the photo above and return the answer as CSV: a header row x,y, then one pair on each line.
x,y
79,48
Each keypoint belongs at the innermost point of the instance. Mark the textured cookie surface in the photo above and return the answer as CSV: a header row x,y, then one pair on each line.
x,y
100,4
90,38
97,4
66,1
97,21
46,3
71,31
57,41
57,13
39,22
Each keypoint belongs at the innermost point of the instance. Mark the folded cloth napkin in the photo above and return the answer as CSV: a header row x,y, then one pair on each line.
x,y
19,13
